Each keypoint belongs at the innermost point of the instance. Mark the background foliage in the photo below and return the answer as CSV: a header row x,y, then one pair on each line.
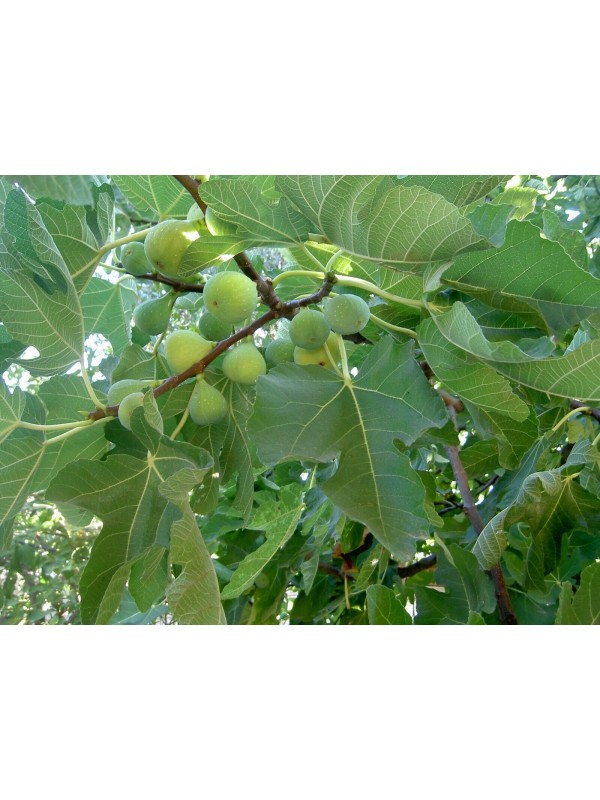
x,y
448,477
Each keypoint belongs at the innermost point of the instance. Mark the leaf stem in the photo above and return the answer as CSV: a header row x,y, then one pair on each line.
x,y
571,413
396,328
344,358
133,237
59,426
89,388
72,432
347,280
181,423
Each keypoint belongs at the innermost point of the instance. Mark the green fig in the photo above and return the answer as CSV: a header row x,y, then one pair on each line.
x,y
309,329
167,243
230,296
152,316
127,406
207,405
119,390
212,328
320,356
133,258
279,351
346,313
184,348
244,363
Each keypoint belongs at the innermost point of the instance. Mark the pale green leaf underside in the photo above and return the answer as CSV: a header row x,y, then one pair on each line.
x,y
529,272
155,195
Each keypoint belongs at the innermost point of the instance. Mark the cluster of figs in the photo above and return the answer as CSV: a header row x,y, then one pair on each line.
x,y
230,300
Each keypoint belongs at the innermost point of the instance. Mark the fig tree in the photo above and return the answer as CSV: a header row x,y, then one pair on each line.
x,y
346,313
152,316
213,328
133,258
216,226
230,296
244,363
309,329
167,243
184,348
127,406
207,405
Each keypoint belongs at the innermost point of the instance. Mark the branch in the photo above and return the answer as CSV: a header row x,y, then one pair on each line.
x,y
179,286
427,562
592,412
265,289
286,310
507,615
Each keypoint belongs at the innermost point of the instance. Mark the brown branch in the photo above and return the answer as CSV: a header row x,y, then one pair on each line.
x,y
592,412
507,615
427,562
264,286
179,286
286,310
329,569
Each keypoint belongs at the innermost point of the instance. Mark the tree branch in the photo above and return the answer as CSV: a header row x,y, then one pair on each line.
x,y
592,412
265,289
427,562
507,615
286,310
179,286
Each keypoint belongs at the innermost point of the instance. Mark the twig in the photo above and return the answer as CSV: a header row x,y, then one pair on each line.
x,y
427,562
179,286
507,615
592,412
286,310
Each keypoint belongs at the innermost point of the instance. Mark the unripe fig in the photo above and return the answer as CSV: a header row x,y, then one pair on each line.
x,y
346,313
127,406
216,226
244,364
119,390
309,329
133,258
279,351
230,296
152,316
167,243
207,405
184,348
195,213
320,357
213,328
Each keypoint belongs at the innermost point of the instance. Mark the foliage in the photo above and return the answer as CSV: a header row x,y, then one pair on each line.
x,y
434,461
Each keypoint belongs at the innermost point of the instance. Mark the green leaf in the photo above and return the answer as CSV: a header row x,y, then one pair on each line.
x,y
12,405
471,380
155,195
278,518
551,503
125,492
384,608
20,456
467,590
528,273
241,203
574,374
458,189
522,198
572,242
583,608
194,596
75,189
74,240
66,400
38,301
310,413
107,310
393,224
